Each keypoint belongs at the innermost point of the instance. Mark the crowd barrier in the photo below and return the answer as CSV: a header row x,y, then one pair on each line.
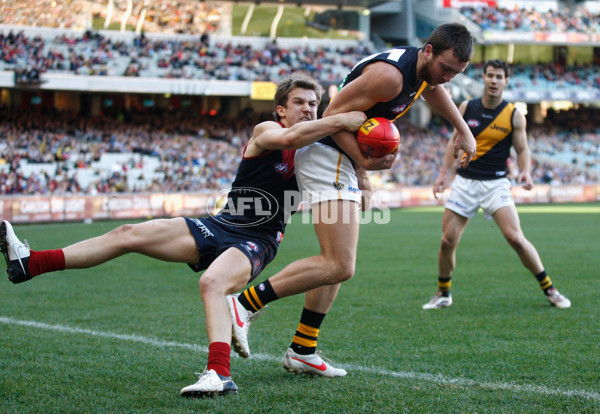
x,y
64,208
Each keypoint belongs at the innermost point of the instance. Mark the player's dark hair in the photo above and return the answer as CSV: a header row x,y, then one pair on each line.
x,y
292,82
498,64
453,36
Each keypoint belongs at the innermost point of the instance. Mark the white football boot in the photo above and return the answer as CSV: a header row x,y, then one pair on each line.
x,y
210,384
312,364
438,302
241,319
16,254
558,300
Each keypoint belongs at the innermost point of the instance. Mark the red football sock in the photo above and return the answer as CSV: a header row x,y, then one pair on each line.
x,y
218,358
46,261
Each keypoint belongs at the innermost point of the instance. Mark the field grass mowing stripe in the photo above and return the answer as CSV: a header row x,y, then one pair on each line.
x,y
435,378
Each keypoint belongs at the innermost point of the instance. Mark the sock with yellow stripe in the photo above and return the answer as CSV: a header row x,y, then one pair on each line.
x,y
305,339
545,282
444,285
256,297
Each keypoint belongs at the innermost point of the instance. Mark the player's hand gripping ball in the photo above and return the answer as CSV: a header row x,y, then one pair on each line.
x,y
378,137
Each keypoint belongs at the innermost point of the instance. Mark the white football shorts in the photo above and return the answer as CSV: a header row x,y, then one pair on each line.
x,y
468,195
324,174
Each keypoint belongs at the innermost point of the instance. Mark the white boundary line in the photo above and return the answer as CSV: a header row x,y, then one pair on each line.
x,y
435,378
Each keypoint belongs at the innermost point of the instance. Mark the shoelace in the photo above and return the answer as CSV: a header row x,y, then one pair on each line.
x,y
324,358
256,314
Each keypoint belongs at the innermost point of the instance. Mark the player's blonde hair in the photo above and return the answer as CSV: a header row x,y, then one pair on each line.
x,y
292,82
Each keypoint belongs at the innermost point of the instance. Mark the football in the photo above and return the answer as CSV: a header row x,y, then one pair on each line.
x,y
378,137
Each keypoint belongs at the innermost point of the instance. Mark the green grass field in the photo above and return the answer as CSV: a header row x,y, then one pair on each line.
x,y
128,335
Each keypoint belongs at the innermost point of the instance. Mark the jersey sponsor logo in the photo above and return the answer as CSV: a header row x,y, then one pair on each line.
x,y
338,186
398,109
473,123
252,245
279,237
245,246
203,229
281,168
499,128
353,190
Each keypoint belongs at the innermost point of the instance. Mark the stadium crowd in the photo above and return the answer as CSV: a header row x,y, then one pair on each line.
x,y
189,16
94,54
202,153
165,16
579,20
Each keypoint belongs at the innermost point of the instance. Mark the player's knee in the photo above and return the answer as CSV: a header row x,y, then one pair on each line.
x,y
122,235
208,284
340,272
517,241
448,244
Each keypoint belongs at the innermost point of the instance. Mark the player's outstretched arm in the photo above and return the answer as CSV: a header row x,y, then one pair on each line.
x,y
439,98
449,162
446,171
522,148
271,135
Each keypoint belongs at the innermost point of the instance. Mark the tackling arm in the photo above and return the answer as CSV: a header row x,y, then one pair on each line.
x,y
271,136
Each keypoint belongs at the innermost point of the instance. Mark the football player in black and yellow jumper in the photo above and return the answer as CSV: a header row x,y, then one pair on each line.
x,y
497,125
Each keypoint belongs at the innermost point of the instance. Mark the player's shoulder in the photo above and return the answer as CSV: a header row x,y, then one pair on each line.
x,y
385,73
266,125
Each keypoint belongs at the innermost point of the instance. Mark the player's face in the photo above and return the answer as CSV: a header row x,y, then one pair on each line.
x,y
301,106
494,81
441,68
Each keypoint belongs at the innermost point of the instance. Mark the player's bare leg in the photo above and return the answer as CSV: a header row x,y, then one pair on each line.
x,y
168,240
337,228
228,273
507,219
338,240
453,227
164,239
